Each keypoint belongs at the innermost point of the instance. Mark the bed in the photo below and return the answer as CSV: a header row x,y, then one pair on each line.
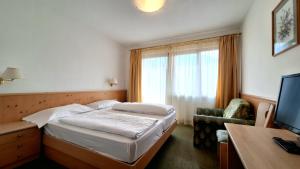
x,y
15,107
76,147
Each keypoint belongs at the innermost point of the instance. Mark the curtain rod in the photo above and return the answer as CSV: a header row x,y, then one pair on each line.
x,y
184,42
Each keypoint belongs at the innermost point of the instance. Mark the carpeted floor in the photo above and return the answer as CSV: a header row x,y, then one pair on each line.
x,y
177,153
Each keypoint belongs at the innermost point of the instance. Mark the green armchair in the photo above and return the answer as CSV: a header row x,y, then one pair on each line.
x,y
208,121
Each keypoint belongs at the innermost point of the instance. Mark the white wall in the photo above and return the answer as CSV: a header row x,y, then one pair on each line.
x,y
262,72
55,52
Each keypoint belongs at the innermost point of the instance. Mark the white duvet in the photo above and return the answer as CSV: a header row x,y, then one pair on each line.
x,y
116,123
145,108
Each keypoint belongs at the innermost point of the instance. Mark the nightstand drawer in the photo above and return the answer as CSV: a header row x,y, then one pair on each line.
x,y
19,145
19,150
29,146
20,135
8,154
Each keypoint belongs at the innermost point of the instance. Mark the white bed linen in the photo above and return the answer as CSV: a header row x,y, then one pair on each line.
x,y
166,120
145,108
114,146
41,118
115,123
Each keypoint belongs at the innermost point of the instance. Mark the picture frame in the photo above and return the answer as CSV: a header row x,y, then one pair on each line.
x,y
285,26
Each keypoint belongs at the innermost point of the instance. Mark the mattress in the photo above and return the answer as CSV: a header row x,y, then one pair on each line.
x,y
111,145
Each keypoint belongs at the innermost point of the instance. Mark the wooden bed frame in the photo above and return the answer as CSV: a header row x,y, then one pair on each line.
x,y
17,105
77,157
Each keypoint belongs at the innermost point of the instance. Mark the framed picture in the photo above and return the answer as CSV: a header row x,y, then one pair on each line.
x,y
285,26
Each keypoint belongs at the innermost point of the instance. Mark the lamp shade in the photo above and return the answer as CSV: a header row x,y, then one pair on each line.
x,y
149,5
11,74
114,81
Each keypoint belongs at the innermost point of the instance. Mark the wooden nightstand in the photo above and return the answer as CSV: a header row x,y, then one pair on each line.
x,y
19,143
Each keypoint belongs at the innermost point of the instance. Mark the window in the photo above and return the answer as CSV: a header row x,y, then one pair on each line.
x,y
182,75
186,74
154,78
209,72
195,74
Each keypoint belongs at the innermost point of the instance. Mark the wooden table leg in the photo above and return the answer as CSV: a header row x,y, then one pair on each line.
x,y
233,159
223,155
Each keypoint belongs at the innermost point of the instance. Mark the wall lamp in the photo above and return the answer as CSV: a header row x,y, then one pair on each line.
x,y
9,75
113,81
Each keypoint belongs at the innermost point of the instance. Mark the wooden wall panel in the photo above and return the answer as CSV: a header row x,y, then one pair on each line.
x,y
15,106
255,100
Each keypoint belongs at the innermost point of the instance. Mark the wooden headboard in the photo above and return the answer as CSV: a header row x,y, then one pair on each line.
x,y
15,106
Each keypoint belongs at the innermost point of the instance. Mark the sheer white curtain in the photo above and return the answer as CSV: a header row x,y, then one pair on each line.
x,y
154,76
194,82
185,76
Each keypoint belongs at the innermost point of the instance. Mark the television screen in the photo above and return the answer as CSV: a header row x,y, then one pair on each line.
x,y
288,105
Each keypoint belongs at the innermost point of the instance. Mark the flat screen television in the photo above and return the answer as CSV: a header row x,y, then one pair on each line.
x,y
287,113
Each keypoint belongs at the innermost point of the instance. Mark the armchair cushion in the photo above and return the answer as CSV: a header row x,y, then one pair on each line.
x,y
237,108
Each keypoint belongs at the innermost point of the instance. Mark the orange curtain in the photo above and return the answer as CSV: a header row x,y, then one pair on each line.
x,y
135,86
229,70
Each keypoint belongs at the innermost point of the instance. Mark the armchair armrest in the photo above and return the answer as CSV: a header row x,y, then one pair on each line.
x,y
222,120
210,112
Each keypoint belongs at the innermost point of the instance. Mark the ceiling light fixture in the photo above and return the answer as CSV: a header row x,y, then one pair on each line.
x,y
149,5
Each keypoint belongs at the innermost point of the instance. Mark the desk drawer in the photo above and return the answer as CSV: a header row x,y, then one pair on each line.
x,y
20,135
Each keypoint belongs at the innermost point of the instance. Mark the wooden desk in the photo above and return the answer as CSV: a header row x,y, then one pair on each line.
x,y
253,148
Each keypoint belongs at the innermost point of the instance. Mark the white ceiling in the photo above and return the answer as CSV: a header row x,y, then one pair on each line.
x,y
123,22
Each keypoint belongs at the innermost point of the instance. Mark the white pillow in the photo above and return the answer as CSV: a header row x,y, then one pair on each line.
x,y
102,104
41,118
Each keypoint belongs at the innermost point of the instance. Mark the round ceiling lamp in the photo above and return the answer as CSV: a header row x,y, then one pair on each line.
x,y
149,5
